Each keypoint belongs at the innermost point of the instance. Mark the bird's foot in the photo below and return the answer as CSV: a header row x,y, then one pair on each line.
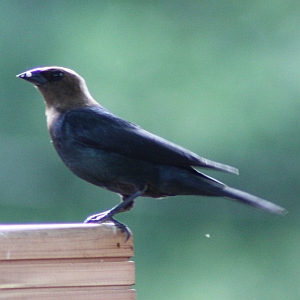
x,y
107,216
98,218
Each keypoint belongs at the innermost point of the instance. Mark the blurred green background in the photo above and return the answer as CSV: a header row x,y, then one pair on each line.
x,y
221,78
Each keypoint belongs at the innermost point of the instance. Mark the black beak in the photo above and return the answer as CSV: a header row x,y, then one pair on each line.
x,y
34,76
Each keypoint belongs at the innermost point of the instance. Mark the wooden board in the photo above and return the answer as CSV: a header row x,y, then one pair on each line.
x,y
65,261
63,241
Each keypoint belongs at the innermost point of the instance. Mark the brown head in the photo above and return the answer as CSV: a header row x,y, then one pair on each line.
x,y
61,88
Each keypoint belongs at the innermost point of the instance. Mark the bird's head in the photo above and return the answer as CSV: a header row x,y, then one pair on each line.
x,y
61,88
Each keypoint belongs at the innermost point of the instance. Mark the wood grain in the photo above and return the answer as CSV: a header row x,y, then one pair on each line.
x,y
65,261
63,241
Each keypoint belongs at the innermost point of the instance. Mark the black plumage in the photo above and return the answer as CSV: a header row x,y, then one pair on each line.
x,y
117,155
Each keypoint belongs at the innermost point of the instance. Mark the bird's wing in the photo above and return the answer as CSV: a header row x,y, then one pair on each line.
x,y
96,127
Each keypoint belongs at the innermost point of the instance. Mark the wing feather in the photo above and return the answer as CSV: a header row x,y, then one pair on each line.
x,y
96,127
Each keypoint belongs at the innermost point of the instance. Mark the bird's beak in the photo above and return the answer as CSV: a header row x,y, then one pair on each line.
x,y
33,76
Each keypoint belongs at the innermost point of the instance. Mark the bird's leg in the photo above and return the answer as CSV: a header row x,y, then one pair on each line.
x,y
126,204
123,206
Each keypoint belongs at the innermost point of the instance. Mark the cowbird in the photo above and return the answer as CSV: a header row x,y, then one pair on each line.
x,y
118,155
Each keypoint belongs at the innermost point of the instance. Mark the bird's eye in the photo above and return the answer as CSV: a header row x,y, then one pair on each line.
x,y
56,75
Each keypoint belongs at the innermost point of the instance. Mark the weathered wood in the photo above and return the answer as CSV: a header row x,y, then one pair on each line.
x,y
68,294
65,261
63,241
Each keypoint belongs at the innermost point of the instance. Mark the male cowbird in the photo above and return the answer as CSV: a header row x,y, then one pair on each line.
x,y
119,156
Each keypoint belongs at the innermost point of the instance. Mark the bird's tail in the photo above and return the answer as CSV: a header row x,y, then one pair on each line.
x,y
252,200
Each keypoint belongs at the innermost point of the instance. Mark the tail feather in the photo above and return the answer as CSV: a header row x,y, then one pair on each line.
x,y
206,163
253,200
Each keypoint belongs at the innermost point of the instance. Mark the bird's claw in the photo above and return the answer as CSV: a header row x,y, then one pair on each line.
x,y
98,218
106,216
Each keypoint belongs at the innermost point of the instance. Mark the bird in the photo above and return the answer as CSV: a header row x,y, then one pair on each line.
x,y
117,155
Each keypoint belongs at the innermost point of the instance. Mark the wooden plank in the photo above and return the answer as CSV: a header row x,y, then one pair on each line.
x,y
79,293
65,261
48,241
18,274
